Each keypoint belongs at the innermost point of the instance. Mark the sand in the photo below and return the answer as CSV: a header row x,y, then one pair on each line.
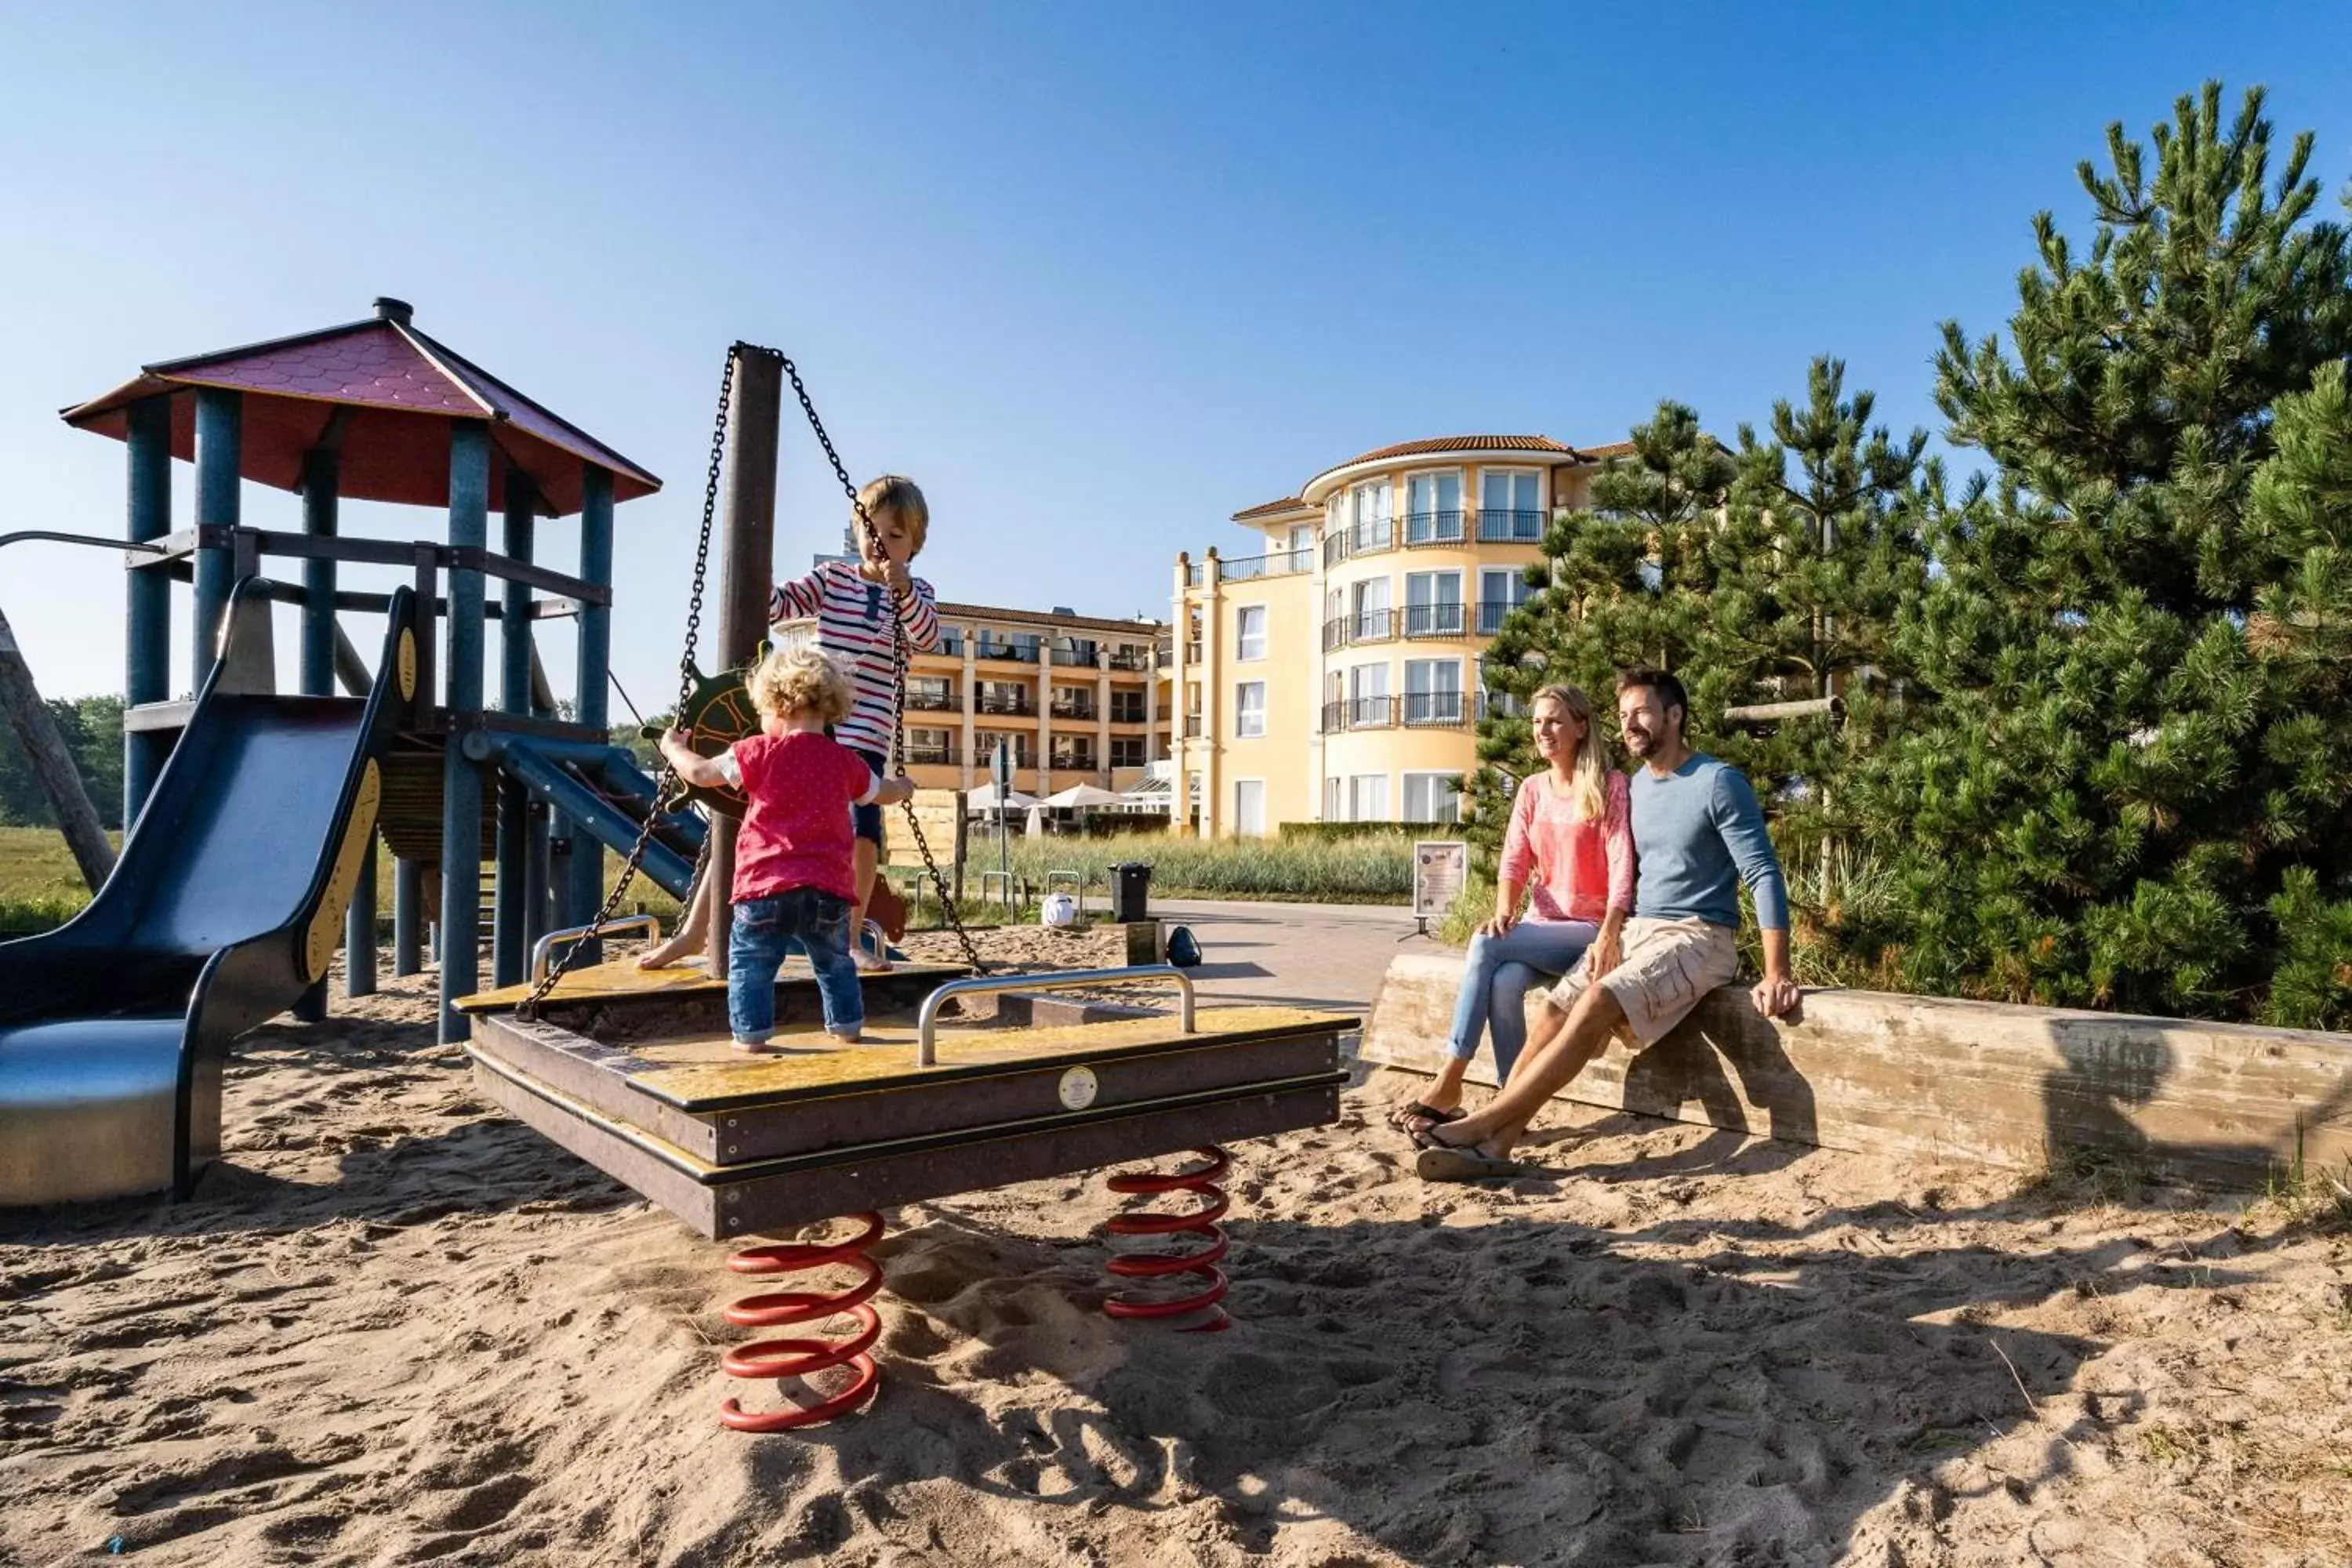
x,y
394,1327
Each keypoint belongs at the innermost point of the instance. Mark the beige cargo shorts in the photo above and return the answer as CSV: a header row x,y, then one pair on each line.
x,y
1667,967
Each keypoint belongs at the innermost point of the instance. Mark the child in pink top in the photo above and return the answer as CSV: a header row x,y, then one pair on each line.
x,y
1570,849
794,862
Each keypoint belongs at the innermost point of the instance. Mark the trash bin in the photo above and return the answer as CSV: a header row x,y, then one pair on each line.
x,y
1130,890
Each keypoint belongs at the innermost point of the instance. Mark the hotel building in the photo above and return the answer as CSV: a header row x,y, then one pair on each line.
x,y
1335,674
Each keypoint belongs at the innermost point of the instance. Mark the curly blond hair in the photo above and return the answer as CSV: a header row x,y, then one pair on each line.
x,y
897,493
801,680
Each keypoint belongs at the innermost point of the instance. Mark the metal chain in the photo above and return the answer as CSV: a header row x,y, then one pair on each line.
x,y
634,861
898,652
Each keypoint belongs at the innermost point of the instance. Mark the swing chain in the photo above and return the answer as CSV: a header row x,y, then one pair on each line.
x,y
635,861
899,654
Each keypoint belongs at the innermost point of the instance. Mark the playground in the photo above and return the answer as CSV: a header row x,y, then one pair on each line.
x,y
495,1246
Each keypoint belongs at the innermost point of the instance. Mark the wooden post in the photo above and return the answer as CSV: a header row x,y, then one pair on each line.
x,y
147,651
746,573
585,879
509,945
53,765
220,435
461,788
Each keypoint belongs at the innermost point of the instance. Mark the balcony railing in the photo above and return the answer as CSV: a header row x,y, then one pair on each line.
x,y
1360,713
1077,710
1128,713
932,756
1423,529
1014,653
1369,538
1191,653
1435,710
1443,619
1135,659
1192,726
1280,564
1014,706
935,701
1164,657
1491,612
1196,575
1361,626
1074,762
1072,656
984,751
1501,525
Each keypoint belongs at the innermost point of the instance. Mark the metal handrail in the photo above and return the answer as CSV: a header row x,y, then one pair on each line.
x,y
927,1022
546,945
95,542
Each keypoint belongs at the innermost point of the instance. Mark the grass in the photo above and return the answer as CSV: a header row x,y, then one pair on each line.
x,y
39,885
1372,871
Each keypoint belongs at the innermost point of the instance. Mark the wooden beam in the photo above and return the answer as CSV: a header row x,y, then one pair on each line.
x,y
53,765
1937,1079
1774,712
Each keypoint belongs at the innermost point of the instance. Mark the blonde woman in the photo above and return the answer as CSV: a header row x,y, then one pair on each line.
x,y
1569,851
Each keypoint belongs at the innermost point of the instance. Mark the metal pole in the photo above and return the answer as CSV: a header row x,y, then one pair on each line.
x,y
461,788
746,568
147,653
220,434
591,706
359,927
321,476
509,944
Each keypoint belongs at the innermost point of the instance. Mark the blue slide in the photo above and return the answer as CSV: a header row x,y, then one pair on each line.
x,y
224,910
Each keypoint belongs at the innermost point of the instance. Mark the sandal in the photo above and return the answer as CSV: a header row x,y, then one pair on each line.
x,y
1442,1161
1404,1117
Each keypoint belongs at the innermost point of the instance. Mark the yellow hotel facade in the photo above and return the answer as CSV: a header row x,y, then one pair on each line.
x,y
1335,676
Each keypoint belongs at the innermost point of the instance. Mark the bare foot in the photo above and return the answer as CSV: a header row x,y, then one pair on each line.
x,y
839,1037
756,1047
680,949
869,963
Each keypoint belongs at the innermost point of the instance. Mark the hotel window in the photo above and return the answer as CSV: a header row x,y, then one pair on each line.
x,y
1249,639
1432,604
1432,692
1368,797
1126,705
1249,807
933,746
1507,508
1500,591
1375,508
1074,751
1430,797
1005,697
1302,547
1432,512
931,693
1249,709
1334,799
1127,750
1372,615
1368,695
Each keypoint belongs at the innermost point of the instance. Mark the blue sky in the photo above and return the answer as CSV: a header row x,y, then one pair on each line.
x,y
1096,277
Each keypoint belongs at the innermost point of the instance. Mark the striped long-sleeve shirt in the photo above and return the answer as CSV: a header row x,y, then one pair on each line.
x,y
853,625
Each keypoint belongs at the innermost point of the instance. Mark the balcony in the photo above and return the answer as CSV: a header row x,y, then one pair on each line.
x,y
1373,625
1128,713
1281,563
983,750
1015,705
1074,658
1135,660
921,701
1499,525
1424,529
1435,710
1192,726
1360,713
1369,538
1074,762
1439,620
1079,712
1491,612
1191,653
932,756
950,644
1009,653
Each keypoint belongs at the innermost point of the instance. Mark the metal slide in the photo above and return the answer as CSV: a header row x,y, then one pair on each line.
x,y
224,908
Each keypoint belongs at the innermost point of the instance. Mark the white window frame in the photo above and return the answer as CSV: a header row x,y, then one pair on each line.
x,y
1334,798
1487,476
1239,829
1435,580
1244,712
1241,614
1434,476
1432,781
1356,792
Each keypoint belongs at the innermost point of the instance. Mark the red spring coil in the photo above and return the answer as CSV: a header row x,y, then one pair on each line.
x,y
1200,1262
780,1309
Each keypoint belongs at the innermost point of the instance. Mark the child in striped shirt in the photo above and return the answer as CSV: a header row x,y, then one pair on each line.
x,y
852,606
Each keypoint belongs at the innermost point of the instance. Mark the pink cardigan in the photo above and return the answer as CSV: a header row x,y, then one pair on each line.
x,y
1585,869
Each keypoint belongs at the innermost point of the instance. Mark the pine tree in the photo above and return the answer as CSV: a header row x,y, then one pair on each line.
x,y
2127,786
1768,573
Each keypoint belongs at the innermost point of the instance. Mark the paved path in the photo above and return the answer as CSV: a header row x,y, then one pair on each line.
x,y
1304,955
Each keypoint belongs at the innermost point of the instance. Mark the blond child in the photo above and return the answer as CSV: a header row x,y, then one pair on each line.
x,y
793,857
852,605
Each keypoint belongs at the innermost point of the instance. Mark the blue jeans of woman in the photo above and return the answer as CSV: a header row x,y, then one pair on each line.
x,y
1494,981
762,929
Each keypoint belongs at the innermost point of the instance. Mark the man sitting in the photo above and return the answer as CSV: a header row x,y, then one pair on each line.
x,y
1696,828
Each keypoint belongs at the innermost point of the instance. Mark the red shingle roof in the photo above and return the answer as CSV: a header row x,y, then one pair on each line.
x,y
1271,509
1460,444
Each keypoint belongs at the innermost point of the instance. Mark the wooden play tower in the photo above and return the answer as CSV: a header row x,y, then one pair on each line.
x,y
377,410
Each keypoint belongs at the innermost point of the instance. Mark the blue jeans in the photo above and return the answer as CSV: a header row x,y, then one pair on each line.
x,y
1495,982
756,940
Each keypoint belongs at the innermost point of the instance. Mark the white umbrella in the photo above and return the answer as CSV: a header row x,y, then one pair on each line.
x,y
1036,828
1082,795
985,799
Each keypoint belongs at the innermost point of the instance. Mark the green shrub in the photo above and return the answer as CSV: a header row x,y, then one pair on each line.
x,y
1365,871
1334,832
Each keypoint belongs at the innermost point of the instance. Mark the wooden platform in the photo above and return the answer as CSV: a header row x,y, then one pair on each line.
x,y
736,1143
1980,1082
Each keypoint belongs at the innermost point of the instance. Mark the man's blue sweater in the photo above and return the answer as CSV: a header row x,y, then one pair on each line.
x,y
1695,830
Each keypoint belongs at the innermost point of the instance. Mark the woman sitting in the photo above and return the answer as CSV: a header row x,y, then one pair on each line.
x,y
1569,848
